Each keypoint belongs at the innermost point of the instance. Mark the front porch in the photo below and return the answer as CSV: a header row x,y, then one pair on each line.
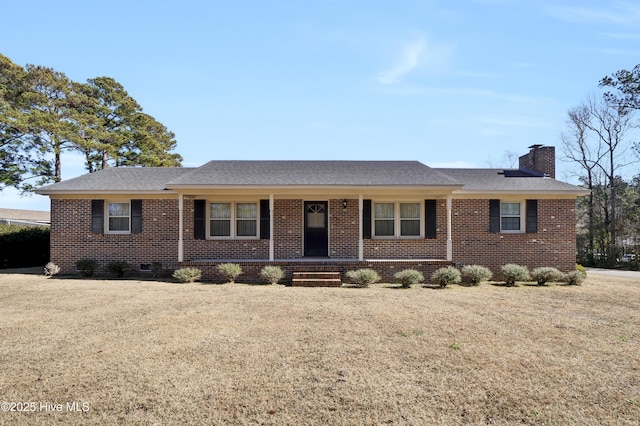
x,y
386,268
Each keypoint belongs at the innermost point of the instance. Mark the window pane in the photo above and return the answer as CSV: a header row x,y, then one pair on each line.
x,y
246,211
510,223
220,228
383,210
409,210
510,209
246,228
409,227
118,209
220,210
118,224
384,228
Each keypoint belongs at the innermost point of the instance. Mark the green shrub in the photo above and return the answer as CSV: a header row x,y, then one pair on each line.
x,y
581,269
230,271
513,272
445,276
23,246
409,277
574,277
363,277
475,274
118,268
187,275
86,266
544,275
51,269
272,274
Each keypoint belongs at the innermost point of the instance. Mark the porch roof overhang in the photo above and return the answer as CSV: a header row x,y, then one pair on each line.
x,y
339,191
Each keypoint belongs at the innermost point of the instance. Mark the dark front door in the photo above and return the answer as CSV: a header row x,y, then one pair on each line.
x,y
316,235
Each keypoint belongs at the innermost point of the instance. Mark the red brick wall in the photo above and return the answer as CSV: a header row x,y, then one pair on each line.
x,y
72,239
553,245
287,229
218,249
429,248
344,229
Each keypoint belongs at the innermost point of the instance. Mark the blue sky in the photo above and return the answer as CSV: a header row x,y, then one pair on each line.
x,y
448,83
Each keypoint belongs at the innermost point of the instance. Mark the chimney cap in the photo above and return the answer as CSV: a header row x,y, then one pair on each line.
x,y
536,146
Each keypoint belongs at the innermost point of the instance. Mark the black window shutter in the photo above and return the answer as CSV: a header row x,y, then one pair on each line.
x,y
136,216
265,220
199,228
97,216
494,216
430,218
532,216
366,219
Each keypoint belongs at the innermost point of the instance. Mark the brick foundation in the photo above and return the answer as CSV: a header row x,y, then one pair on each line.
x,y
385,268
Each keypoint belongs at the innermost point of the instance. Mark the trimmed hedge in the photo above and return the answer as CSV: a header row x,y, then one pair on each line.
x,y
23,246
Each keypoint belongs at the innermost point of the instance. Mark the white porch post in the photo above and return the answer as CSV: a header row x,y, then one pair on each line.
x,y
449,242
180,228
271,246
360,240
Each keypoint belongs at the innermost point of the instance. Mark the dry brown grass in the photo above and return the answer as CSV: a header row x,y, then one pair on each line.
x,y
161,353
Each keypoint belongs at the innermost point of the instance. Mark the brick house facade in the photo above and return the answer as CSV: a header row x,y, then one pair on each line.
x,y
384,215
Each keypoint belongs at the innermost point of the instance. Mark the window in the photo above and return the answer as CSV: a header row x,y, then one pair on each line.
x,y
384,219
230,220
397,220
410,219
220,225
119,218
510,217
246,220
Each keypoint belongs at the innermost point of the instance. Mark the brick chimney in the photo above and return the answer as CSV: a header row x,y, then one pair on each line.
x,y
540,159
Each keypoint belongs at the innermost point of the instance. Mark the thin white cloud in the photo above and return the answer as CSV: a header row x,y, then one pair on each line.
x,y
617,12
622,36
418,53
410,59
511,122
407,90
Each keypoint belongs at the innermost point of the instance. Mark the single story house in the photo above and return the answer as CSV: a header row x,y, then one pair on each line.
x,y
24,217
335,215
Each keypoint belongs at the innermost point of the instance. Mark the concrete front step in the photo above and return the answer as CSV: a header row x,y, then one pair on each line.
x,y
316,279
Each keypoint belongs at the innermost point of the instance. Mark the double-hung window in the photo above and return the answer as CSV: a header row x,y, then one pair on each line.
x,y
511,217
397,219
119,218
233,220
384,219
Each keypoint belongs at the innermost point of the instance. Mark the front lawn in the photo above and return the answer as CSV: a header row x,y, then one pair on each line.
x,y
144,352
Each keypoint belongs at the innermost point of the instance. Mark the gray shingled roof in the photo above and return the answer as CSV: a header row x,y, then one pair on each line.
x,y
495,180
305,173
133,179
276,173
18,215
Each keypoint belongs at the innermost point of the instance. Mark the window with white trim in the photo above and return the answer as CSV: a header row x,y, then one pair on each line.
x,y
511,217
397,219
233,220
118,218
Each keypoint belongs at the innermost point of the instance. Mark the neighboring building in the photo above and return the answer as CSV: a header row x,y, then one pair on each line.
x,y
387,215
25,217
